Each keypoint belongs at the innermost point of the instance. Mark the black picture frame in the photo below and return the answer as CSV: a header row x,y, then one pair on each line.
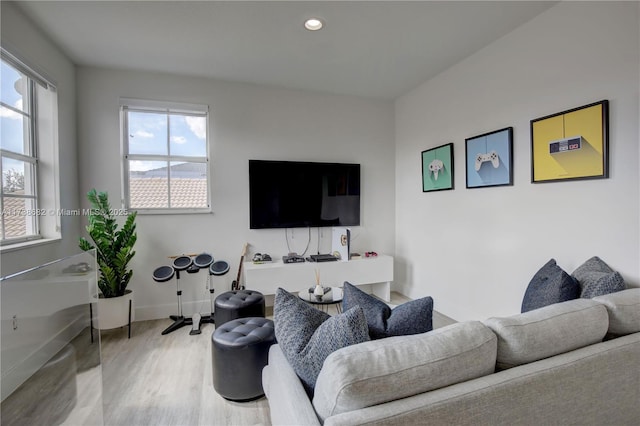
x,y
438,168
571,145
489,159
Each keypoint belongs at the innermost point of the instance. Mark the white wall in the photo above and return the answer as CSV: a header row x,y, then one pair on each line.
x,y
25,40
28,347
475,250
246,122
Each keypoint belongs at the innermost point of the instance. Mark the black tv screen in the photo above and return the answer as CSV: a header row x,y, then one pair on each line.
x,y
293,194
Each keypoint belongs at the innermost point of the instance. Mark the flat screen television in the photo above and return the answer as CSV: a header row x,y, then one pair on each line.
x,y
294,194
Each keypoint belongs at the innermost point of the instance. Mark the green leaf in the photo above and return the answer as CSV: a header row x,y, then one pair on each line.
x,y
114,247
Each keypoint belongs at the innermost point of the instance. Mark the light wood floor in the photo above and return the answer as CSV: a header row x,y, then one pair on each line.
x,y
153,379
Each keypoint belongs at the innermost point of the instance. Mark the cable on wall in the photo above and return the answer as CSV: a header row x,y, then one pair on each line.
x,y
286,237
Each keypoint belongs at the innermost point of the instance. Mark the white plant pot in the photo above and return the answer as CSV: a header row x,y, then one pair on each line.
x,y
113,312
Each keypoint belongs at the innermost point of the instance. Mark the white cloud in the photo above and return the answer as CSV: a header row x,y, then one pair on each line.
x,y
141,166
143,134
179,139
7,113
198,125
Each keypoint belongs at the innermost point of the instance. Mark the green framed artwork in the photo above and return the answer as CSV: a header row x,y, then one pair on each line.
x,y
437,168
571,145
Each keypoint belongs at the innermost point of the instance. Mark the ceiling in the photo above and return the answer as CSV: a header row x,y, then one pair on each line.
x,y
376,49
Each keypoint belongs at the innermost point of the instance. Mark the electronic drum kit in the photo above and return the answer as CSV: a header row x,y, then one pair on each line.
x,y
191,263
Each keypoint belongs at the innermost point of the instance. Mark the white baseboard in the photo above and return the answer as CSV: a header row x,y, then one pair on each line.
x,y
146,313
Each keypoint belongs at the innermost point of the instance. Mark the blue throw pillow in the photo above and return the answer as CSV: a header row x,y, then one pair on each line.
x,y
412,317
551,284
596,278
307,335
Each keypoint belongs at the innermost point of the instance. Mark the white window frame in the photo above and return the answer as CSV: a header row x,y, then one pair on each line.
x,y
169,108
45,223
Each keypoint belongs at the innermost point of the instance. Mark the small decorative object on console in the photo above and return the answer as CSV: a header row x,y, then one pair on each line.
x,y
260,258
341,243
371,254
319,291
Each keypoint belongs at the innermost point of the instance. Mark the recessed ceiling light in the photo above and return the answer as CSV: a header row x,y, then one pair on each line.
x,y
313,24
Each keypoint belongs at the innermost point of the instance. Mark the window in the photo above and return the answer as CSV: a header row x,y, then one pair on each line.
x,y
28,144
166,162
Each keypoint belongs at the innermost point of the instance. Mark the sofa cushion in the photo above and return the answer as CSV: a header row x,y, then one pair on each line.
x,y
307,335
389,369
551,284
623,308
411,317
597,278
548,331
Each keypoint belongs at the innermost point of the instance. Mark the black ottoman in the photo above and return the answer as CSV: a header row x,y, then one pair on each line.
x,y
239,351
238,304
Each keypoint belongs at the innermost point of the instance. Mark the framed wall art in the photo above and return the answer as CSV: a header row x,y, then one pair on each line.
x,y
489,159
572,144
437,168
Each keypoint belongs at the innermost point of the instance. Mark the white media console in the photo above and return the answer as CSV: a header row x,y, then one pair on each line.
x,y
377,272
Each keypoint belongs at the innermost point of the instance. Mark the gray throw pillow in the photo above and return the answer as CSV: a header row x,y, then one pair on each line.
x,y
307,335
551,284
596,278
412,317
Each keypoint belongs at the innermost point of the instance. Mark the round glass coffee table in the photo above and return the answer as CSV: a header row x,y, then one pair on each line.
x,y
332,297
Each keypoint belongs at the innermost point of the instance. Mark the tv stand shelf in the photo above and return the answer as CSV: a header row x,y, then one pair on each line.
x,y
375,272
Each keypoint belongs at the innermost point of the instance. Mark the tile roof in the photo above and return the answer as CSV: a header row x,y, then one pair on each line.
x,y
145,193
151,192
15,223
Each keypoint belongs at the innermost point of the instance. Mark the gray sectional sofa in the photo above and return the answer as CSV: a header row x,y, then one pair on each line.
x,y
576,362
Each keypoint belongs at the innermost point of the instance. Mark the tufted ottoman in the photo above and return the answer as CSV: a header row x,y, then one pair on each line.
x,y
239,351
238,304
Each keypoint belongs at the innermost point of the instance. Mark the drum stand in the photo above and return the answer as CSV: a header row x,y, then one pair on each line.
x,y
204,318
180,321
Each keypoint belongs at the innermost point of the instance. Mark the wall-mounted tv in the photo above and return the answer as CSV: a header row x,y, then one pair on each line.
x,y
294,194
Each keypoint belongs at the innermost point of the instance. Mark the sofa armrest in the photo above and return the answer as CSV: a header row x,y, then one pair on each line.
x,y
288,401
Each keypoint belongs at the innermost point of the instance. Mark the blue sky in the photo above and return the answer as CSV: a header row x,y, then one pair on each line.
x,y
148,136
147,131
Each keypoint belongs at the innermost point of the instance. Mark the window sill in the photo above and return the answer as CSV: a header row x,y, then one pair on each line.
x,y
28,244
171,211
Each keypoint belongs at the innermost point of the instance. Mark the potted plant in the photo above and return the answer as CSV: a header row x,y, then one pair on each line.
x,y
114,251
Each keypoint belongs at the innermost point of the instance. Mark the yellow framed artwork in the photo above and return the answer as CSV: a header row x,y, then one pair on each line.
x,y
572,144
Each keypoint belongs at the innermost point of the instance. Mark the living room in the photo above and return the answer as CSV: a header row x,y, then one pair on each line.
x,y
473,250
